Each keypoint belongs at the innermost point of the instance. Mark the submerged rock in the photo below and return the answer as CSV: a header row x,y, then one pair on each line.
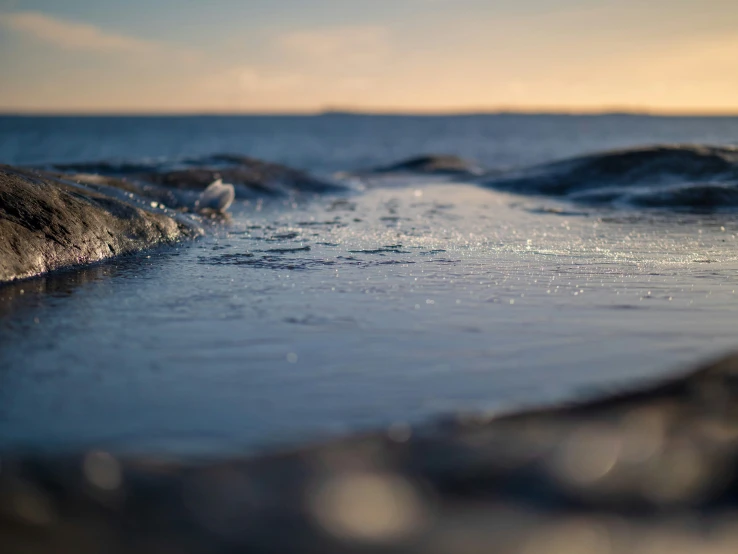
x,y
653,470
668,176
48,223
433,164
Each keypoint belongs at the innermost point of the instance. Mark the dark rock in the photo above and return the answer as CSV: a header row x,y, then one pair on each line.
x,y
654,470
249,176
696,197
118,169
48,223
652,166
126,188
433,164
92,211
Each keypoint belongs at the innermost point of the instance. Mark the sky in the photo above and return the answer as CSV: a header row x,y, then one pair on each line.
x,y
226,56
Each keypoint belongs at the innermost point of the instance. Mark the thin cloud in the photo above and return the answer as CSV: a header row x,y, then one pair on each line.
x,y
357,43
304,64
72,35
256,80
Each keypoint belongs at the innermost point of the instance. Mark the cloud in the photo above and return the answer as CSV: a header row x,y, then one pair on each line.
x,y
305,69
257,80
353,45
72,35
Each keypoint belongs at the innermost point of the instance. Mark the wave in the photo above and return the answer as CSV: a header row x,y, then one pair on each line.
x,y
686,176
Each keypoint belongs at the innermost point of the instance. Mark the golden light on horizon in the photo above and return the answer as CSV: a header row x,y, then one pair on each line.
x,y
576,59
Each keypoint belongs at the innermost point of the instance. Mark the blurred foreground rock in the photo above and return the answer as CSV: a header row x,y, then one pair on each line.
x,y
650,471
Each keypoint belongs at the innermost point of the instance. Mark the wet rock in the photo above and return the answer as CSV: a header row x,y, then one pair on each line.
x,y
111,168
75,214
250,177
433,164
695,197
667,175
654,470
127,189
48,223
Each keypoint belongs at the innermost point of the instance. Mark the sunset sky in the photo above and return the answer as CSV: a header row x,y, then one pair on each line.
x,y
378,55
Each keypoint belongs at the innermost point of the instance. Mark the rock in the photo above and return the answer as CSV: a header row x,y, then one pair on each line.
x,y
664,165
75,214
48,223
652,470
175,182
433,164
130,189
686,177
216,198
249,176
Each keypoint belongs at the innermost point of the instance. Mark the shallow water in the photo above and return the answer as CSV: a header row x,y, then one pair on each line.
x,y
400,303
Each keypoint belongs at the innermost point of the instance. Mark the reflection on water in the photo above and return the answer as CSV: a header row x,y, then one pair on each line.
x,y
20,297
33,293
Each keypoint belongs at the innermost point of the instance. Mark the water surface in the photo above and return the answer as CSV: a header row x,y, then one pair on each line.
x,y
401,302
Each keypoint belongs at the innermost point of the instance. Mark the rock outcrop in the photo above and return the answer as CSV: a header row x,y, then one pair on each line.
x,y
75,214
49,223
249,176
433,164
669,176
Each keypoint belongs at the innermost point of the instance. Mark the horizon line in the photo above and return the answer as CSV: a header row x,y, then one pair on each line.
x,y
388,112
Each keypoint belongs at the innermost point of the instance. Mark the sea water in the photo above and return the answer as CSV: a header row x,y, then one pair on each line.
x,y
401,301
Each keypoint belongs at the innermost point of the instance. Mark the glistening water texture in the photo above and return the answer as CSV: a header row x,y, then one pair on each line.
x,y
396,304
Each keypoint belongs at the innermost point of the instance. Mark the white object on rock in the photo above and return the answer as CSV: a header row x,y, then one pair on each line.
x,y
217,197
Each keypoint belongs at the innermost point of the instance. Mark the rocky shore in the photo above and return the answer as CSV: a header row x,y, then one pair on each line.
x,y
70,215
67,216
49,223
648,471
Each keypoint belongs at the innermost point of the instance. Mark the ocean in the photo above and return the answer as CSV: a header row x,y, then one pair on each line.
x,y
406,299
